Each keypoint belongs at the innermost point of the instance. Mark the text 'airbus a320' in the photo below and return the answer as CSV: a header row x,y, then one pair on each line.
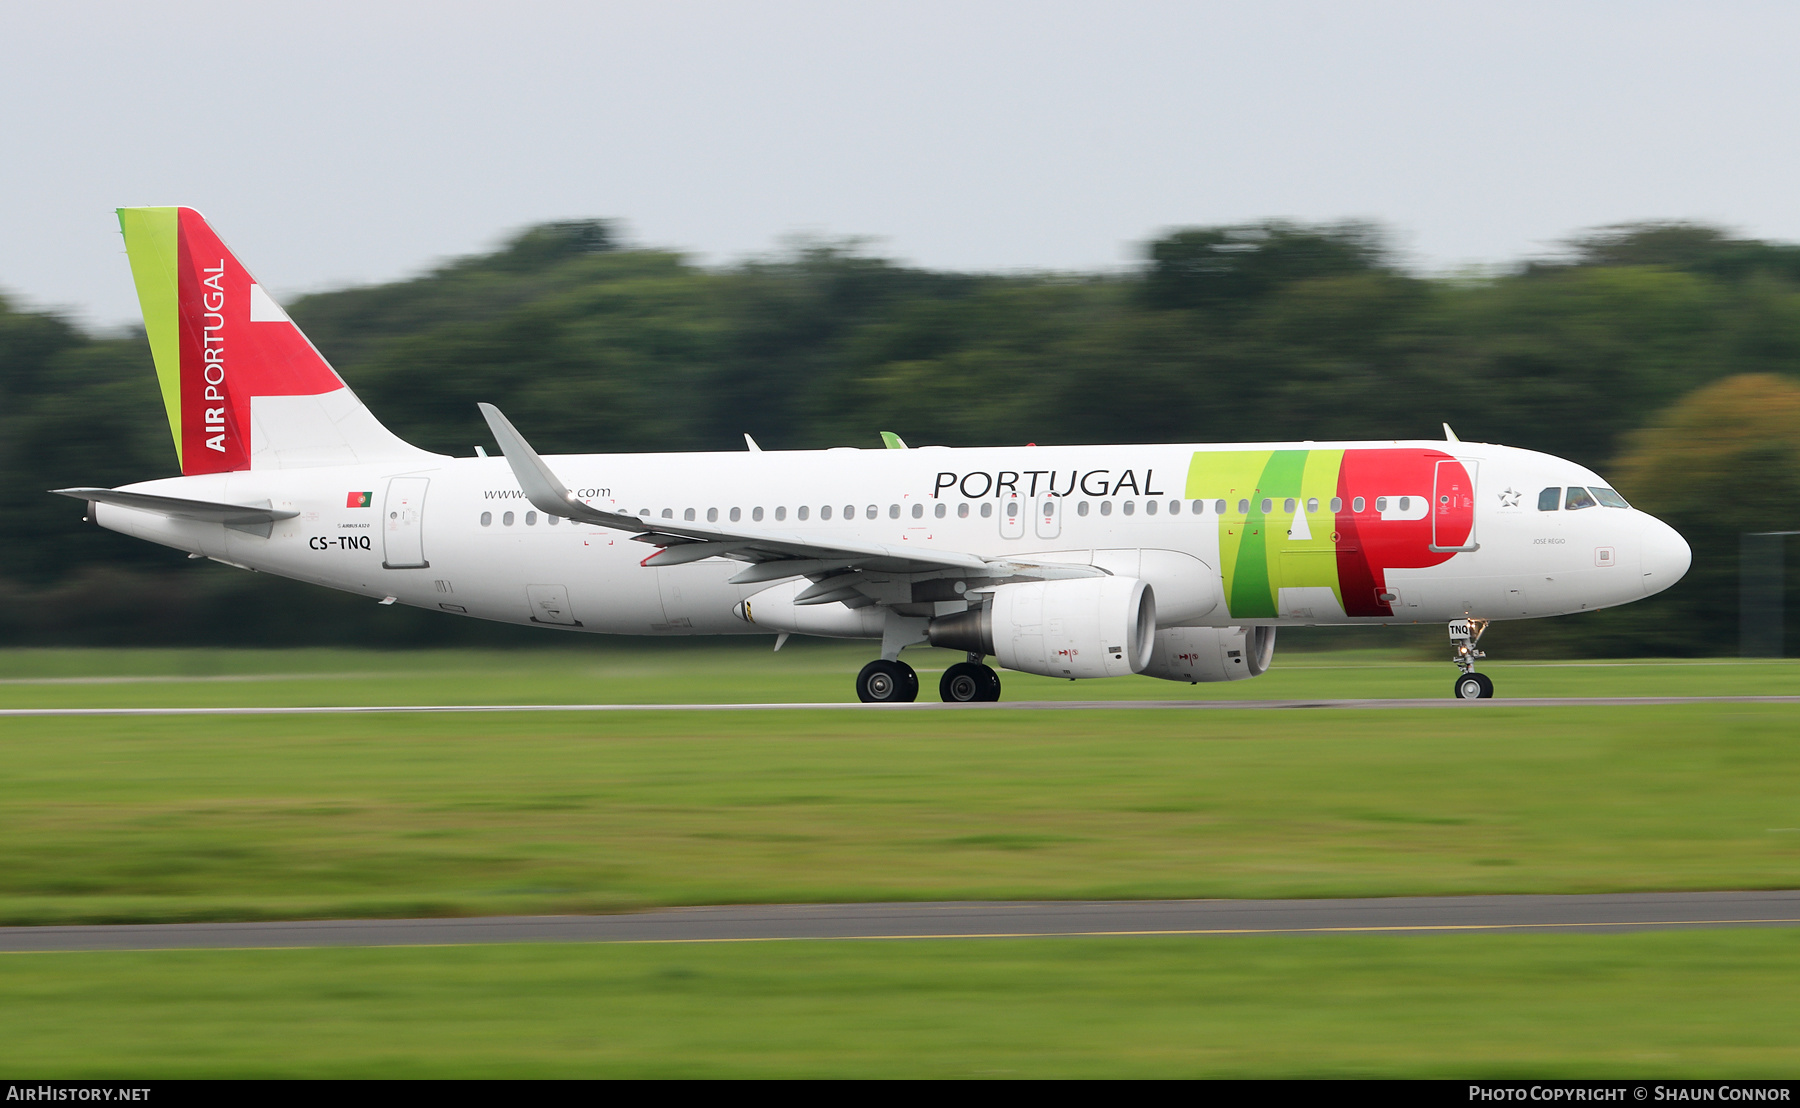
x,y
1178,561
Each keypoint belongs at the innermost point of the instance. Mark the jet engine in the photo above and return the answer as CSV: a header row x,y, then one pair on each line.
x,y
1196,654
1086,627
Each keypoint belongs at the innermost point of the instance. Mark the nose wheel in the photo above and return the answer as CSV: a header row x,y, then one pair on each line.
x,y
1474,686
1464,635
969,683
885,682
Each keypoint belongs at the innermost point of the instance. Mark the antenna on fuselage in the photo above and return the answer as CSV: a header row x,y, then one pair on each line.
x,y
751,443
1449,435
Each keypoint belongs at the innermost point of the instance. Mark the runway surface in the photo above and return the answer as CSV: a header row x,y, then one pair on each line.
x,y
930,706
1609,912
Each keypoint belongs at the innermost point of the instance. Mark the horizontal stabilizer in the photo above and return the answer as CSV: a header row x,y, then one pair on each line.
x,y
255,519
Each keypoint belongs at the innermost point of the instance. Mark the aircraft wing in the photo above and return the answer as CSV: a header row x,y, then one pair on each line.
x,y
774,554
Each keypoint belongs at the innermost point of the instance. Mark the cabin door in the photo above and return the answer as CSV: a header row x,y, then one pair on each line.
x,y
402,524
1453,507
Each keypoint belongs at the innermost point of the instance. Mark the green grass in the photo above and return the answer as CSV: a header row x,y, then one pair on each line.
x,y
640,672
148,818
155,818
1693,1004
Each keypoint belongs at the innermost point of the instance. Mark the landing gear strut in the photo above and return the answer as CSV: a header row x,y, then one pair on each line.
x,y
1464,634
885,682
969,682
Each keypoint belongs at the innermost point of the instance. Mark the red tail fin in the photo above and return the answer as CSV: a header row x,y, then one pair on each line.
x,y
243,387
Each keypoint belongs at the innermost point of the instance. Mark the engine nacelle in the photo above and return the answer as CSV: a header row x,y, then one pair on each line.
x,y
1195,654
1086,627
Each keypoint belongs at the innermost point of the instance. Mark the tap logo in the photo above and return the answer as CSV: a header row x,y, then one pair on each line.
x,y
359,499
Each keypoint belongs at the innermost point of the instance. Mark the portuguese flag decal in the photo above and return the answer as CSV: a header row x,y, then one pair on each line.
x,y
359,499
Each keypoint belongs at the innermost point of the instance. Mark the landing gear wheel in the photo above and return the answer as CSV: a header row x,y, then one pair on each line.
x,y
969,683
885,682
1474,686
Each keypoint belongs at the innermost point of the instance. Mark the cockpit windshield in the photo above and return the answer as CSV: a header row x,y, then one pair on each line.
x,y
1609,498
1578,498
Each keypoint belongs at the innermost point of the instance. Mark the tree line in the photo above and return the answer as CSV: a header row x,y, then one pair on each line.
x,y
1667,356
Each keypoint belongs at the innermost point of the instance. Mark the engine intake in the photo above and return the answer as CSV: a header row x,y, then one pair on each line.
x,y
1087,627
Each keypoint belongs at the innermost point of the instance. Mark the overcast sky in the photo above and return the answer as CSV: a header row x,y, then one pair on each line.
x,y
358,142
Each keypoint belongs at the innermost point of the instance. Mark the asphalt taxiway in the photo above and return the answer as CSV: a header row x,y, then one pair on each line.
x,y
1606,912
929,706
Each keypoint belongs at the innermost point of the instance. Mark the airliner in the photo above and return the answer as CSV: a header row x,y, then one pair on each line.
x,y
1180,561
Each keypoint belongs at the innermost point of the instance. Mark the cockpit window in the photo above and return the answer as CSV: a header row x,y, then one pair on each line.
x,y
1608,497
1549,499
1579,498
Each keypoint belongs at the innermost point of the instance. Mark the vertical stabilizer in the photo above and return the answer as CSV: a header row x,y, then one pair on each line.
x,y
243,388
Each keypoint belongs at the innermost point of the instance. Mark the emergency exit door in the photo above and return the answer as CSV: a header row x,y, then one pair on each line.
x,y
403,523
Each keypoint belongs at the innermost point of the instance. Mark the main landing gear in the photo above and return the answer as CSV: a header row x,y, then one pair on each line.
x,y
969,682
1464,634
885,682
895,682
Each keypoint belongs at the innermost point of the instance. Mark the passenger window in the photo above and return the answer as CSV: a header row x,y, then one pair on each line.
x,y
552,520
874,511
668,513
1012,509
1081,508
893,511
487,519
1406,503
712,515
1288,505
1106,507
1149,507
1312,504
506,520
531,519
918,511
1609,498
987,510
1049,508
1381,503
802,512
780,514
1578,498
1337,504
1219,507
756,514
1199,507
1243,507
825,511
688,515
1128,506
1267,505
1174,507
1549,499
736,515
849,511
940,509
1358,504
962,510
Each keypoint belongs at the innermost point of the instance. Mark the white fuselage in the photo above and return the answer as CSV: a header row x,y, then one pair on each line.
x,y
472,545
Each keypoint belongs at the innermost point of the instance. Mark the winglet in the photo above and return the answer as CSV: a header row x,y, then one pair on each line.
x,y
543,488
1449,435
893,441
750,443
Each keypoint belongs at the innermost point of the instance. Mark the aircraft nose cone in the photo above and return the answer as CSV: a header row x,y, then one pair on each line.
x,y
1666,555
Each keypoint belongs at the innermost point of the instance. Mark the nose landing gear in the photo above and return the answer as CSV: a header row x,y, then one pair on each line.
x,y
1464,634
